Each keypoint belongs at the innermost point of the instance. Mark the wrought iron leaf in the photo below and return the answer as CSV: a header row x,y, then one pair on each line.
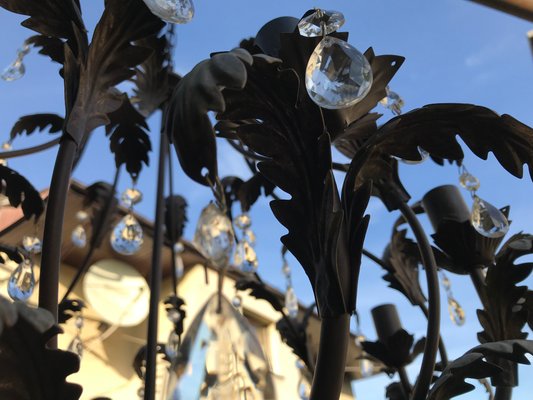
x,y
246,192
199,92
28,124
396,351
52,47
14,253
259,290
175,217
111,59
176,304
139,360
474,364
395,391
101,198
20,192
67,308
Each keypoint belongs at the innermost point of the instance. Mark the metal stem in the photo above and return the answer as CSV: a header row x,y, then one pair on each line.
x,y
95,238
156,273
331,362
53,228
29,150
503,393
432,334
172,231
404,380
479,284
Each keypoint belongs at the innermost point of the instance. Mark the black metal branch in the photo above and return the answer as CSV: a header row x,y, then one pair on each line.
x,y
53,228
404,381
95,236
171,232
29,150
503,393
156,272
246,153
432,334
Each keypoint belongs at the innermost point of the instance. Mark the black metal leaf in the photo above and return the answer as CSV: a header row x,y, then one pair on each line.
x,y
67,308
14,253
395,391
28,124
20,191
396,351
101,198
199,92
111,59
473,364
129,140
260,291
175,217
52,47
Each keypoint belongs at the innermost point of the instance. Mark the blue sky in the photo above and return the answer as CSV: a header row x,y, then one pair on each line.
x,y
456,51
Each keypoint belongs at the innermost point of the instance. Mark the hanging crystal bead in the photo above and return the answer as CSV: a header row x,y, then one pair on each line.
x,y
22,281
174,11
321,23
173,315
243,221
337,74
365,368
392,101
178,260
214,235
82,216
291,302
445,282
32,244
78,237
76,346
245,257
14,71
172,345
286,269
469,181
457,314
6,146
130,197
249,236
487,220
127,236
236,301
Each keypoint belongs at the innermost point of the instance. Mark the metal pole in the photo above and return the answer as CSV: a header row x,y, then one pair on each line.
x,y
432,335
156,273
53,228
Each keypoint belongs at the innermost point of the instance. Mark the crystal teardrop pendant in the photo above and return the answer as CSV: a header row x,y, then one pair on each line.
x,y
291,302
321,23
130,197
392,101
214,235
487,220
174,11
469,181
337,74
76,346
245,257
78,237
365,368
172,345
220,358
127,236
32,244
21,282
14,71
457,314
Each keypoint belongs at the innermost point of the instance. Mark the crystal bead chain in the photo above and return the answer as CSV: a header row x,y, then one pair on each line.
x,y
16,69
457,314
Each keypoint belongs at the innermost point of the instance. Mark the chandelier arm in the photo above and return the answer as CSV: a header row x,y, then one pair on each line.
x,y
331,361
503,393
95,235
171,232
53,228
432,335
29,150
156,272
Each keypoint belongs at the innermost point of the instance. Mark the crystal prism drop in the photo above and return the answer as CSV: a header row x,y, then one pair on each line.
x,y
286,269
457,314
130,197
469,181
214,235
488,220
304,390
220,358
21,282
245,257
32,244
127,236
78,237
243,221
446,284
249,236
172,345
180,268
236,301
79,322
291,302
320,23
366,368
14,71
392,101
337,74
6,146
173,315
174,11
82,216
76,346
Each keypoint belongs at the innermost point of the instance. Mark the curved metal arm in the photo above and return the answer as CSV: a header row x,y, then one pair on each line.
x,y
29,150
432,334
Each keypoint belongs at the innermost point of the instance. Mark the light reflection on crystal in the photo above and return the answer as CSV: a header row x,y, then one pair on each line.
x,y
14,71
130,197
457,314
78,237
172,345
320,23
291,302
245,257
76,346
22,281
469,181
32,244
214,235
365,368
220,358
337,74
487,220
174,11
127,236
392,101
249,236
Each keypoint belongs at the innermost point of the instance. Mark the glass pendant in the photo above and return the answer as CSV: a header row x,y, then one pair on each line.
x,y
130,197
76,346
180,267
457,314
286,269
249,236
32,244
78,237
291,302
236,301
469,181
337,74
220,358
172,345
392,101
245,257
488,220
214,235
127,236
321,23
21,282
16,69
365,368
174,11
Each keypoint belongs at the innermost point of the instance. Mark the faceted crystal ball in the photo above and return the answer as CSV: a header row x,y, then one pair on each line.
x,y
337,74
174,11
